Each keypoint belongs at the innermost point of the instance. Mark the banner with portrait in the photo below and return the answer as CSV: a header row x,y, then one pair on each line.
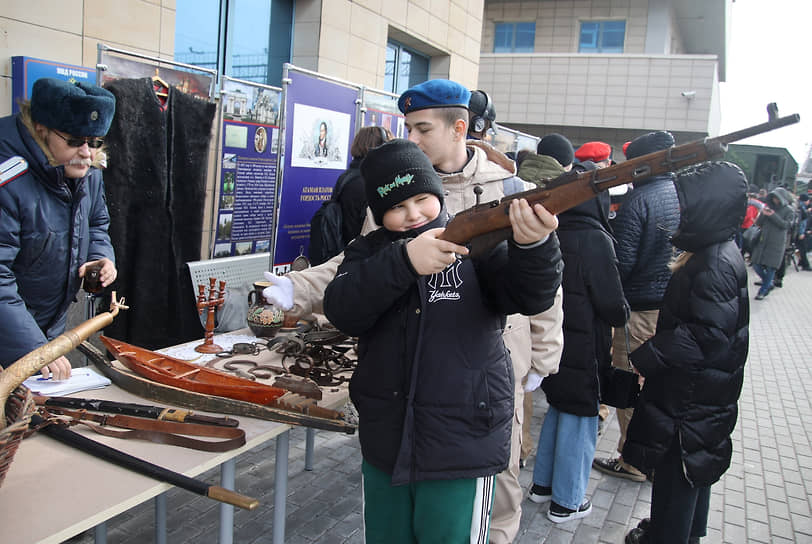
x,y
319,124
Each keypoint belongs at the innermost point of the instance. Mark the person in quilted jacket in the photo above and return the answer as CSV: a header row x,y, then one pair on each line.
x,y
694,364
642,228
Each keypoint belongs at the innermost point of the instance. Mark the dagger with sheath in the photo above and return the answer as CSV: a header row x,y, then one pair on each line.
x,y
132,409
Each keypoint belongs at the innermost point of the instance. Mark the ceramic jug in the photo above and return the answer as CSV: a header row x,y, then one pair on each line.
x,y
264,319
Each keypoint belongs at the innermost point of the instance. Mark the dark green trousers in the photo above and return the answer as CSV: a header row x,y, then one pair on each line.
x,y
428,512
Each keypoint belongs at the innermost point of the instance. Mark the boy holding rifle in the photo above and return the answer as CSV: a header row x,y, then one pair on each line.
x,y
435,415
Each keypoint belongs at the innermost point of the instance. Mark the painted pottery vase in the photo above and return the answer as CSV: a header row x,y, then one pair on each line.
x,y
264,319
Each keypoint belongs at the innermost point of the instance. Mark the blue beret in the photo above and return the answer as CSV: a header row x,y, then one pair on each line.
x,y
75,108
435,93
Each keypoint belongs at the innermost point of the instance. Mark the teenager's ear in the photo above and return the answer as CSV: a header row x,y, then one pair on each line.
x,y
460,129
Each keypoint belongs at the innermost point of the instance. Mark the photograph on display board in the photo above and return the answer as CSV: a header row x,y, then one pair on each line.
x,y
250,103
320,138
243,248
227,202
236,136
229,161
222,250
228,182
224,226
262,246
195,84
260,140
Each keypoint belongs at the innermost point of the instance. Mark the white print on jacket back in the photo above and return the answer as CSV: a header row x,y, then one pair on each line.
x,y
445,285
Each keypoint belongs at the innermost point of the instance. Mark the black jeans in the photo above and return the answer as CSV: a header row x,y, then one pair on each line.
x,y
678,511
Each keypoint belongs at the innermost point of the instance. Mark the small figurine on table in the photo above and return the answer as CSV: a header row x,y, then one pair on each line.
x,y
214,301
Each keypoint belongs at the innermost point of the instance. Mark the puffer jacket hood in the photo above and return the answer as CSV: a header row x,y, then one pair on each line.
x,y
712,199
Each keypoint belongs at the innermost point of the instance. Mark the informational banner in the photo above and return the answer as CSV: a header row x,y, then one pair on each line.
x,y
320,120
382,111
194,83
247,185
26,70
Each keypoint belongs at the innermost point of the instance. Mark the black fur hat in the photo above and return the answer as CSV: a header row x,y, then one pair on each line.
x,y
395,171
75,108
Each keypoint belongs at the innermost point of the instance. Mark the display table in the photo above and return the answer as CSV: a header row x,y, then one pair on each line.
x,y
53,492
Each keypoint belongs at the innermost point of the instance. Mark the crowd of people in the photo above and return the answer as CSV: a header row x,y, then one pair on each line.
x,y
455,340
659,291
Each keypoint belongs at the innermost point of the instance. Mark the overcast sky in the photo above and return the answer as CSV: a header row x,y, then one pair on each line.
x,y
768,60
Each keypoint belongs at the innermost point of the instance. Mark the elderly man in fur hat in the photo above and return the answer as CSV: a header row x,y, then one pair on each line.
x,y
53,214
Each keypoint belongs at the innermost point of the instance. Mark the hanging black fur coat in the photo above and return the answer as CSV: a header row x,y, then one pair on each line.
x,y
156,188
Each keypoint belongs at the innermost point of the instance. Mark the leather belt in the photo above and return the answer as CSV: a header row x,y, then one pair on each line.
x,y
160,432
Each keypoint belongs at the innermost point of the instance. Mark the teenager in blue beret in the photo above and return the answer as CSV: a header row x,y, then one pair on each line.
x,y
53,213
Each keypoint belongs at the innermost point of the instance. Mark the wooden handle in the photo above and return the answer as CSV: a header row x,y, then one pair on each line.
x,y
232,497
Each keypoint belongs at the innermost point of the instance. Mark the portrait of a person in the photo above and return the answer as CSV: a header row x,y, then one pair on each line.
x,y
321,145
260,139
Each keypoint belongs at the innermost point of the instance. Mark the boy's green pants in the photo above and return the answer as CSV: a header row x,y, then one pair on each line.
x,y
435,511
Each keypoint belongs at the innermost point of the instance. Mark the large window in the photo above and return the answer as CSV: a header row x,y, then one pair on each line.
x,y
404,68
602,37
246,39
514,38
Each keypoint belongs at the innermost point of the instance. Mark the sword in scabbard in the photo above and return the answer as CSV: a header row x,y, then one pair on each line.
x,y
130,462
132,409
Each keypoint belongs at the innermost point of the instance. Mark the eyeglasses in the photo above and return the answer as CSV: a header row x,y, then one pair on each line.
x,y
72,141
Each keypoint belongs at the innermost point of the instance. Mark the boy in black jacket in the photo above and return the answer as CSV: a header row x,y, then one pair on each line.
x,y
434,383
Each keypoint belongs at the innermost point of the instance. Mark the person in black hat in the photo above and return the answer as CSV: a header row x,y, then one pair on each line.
x,y
554,157
643,226
53,215
435,415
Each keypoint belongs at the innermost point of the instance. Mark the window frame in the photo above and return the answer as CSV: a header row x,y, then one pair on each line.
x,y
514,33
399,49
600,48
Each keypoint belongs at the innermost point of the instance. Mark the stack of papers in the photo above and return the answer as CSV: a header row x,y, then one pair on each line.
x,y
81,379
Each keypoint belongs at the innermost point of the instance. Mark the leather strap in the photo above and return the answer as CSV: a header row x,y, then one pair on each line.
x,y
161,432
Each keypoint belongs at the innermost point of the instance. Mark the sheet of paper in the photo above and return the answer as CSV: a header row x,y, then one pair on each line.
x,y
81,379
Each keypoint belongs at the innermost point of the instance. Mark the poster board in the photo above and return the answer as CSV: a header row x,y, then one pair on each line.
x,y
248,154
318,125
26,70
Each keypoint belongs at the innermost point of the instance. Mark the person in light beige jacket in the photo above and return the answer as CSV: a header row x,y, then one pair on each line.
x,y
535,343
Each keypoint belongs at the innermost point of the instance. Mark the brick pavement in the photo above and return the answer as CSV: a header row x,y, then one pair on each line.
x,y
764,496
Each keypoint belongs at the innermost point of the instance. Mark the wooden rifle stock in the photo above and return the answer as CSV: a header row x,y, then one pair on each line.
x,y
483,226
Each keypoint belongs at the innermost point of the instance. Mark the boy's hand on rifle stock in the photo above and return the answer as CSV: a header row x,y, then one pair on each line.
x,y
530,225
429,255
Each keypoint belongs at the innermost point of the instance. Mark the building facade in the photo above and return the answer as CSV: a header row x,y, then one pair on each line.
x,y
605,69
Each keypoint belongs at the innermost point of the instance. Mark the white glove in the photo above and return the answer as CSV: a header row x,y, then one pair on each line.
x,y
280,293
533,382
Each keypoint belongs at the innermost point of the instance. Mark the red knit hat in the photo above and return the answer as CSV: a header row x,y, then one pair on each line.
x,y
594,151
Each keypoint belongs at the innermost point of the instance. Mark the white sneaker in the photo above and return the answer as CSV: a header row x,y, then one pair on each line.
x,y
560,514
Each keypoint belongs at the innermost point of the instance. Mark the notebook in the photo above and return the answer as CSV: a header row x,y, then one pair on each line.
x,y
81,379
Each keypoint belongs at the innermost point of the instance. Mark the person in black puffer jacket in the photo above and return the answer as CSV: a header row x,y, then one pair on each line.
x,y
642,229
694,364
593,304
434,385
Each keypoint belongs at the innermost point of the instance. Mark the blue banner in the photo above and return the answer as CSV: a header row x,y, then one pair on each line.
x,y
26,70
319,128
